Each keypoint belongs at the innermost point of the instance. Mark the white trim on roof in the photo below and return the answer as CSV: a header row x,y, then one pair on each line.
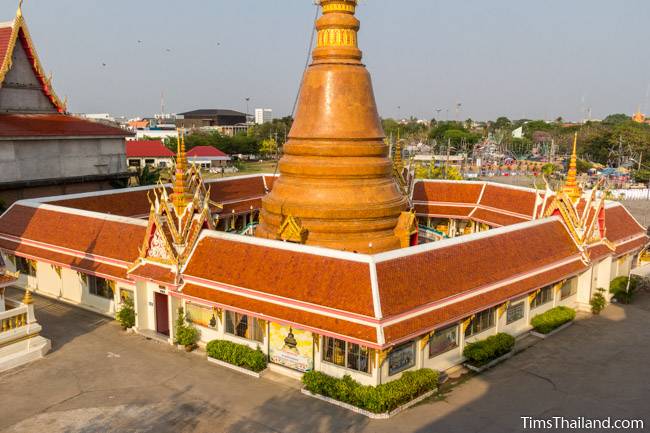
x,y
445,243
287,246
479,182
374,285
83,213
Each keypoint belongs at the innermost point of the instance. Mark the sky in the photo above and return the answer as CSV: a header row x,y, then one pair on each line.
x,y
520,59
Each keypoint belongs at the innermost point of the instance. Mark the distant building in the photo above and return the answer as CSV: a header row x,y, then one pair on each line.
x,y
207,157
44,150
148,152
639,117
210,118
263,115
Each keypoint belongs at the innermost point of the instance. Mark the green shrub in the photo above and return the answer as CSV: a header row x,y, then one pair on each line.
x,y
552,319
482,352
184,333
619,288
237,354
598,301
126,315
376,399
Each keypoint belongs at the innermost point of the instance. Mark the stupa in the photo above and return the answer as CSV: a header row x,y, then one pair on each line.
x,y
336,181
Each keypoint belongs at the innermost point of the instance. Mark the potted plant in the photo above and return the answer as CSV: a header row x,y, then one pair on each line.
x,y
185,334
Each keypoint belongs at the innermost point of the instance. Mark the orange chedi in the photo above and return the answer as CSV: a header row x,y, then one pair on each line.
x,y
336,180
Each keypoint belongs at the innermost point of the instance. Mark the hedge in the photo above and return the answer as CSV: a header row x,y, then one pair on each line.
x,y
376,399
552,319
237,354
482,352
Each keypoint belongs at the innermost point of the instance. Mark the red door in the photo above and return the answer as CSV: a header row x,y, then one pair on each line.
x,y
162,314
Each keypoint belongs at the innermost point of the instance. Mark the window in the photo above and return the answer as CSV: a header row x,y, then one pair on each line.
x,y
162,164
244,326
134,163
515,312
443,341
401,358
346,354
99,287
543,296
26,266
201,315
482,322
149,162
569,288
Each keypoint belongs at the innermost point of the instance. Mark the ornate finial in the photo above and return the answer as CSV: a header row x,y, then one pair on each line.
x,y
337,31
180,195
571,187
27,299
19,12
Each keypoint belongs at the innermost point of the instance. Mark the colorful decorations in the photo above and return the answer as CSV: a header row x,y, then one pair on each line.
x,y
176,219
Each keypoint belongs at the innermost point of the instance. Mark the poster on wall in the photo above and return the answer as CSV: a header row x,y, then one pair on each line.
x,y
401,358
291,348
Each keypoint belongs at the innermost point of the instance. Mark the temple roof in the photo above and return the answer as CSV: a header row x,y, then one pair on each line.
x,y
16,32
54,125
377,300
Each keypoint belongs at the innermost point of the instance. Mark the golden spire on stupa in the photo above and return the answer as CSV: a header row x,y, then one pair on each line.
x,y
571,187
180,196
335,176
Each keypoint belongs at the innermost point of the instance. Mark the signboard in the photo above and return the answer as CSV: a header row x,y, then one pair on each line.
x,y
401,358
291,348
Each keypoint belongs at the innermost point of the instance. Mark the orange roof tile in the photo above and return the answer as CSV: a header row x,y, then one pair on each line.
x,y
60,259
411,281
451,192
434,210
458,311
320,280
631,246
496,218
151,272
620,224
509,199
85,234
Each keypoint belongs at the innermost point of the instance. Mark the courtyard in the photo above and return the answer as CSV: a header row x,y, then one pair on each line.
x,y
99,379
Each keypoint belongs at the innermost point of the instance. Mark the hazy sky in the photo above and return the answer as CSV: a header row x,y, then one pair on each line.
x,y
536,59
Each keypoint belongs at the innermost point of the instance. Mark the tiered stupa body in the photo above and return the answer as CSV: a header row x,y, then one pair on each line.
x,y
335,176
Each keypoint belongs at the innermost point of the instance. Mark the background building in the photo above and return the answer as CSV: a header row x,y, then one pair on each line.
x,y
43,150
263,115
207,157
148,152
210,117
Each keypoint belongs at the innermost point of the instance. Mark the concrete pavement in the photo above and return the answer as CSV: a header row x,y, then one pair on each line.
x,y
99,379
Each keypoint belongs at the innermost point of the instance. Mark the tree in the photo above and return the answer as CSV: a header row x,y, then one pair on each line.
x,y
583,166
269,147
548,169
615,119
148,175
502,123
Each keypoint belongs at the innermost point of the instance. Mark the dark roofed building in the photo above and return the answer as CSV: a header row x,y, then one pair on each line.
x,y
210,117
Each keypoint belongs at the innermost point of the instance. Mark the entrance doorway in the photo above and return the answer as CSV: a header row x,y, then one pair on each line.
x,y
162,314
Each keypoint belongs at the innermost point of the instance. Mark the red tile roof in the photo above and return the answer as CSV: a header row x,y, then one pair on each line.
x,y
80,233
6,280
458,311
205,151
147,148
442,210
151,272
509,199
129,203
283,314
597,252
496,218
631,246
60,259
619,224
55,125
414,280
5,38
451,192
319,280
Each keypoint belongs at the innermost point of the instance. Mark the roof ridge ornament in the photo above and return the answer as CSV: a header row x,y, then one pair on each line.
x,y
19,11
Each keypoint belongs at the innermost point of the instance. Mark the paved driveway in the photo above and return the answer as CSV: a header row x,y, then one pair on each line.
x,y
99,379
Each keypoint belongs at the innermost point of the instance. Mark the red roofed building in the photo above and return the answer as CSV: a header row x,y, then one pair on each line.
x,y
207,157
44,150
148,152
